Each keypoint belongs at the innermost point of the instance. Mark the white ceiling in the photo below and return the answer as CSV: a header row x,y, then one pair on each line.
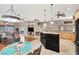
x,y
36,11
68,9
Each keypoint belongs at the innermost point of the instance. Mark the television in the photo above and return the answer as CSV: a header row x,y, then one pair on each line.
x,y
30,29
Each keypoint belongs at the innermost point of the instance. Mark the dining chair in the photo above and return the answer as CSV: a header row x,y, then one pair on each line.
x,y
37,51
4,41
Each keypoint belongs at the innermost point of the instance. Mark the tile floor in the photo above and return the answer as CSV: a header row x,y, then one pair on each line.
x,y
66,48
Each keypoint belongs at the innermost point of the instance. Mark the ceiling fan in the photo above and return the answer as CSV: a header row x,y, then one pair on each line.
x,y
60,14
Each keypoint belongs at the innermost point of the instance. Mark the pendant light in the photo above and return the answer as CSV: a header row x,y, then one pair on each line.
x,y
10,15
51,22
45,18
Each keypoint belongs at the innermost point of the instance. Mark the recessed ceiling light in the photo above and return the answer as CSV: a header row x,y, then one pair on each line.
x,y
68,9
51,22
44,24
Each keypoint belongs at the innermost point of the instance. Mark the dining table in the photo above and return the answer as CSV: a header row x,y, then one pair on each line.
x,y
17,48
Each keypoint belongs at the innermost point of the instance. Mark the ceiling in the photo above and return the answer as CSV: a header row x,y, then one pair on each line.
x,y
36,11
68,9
